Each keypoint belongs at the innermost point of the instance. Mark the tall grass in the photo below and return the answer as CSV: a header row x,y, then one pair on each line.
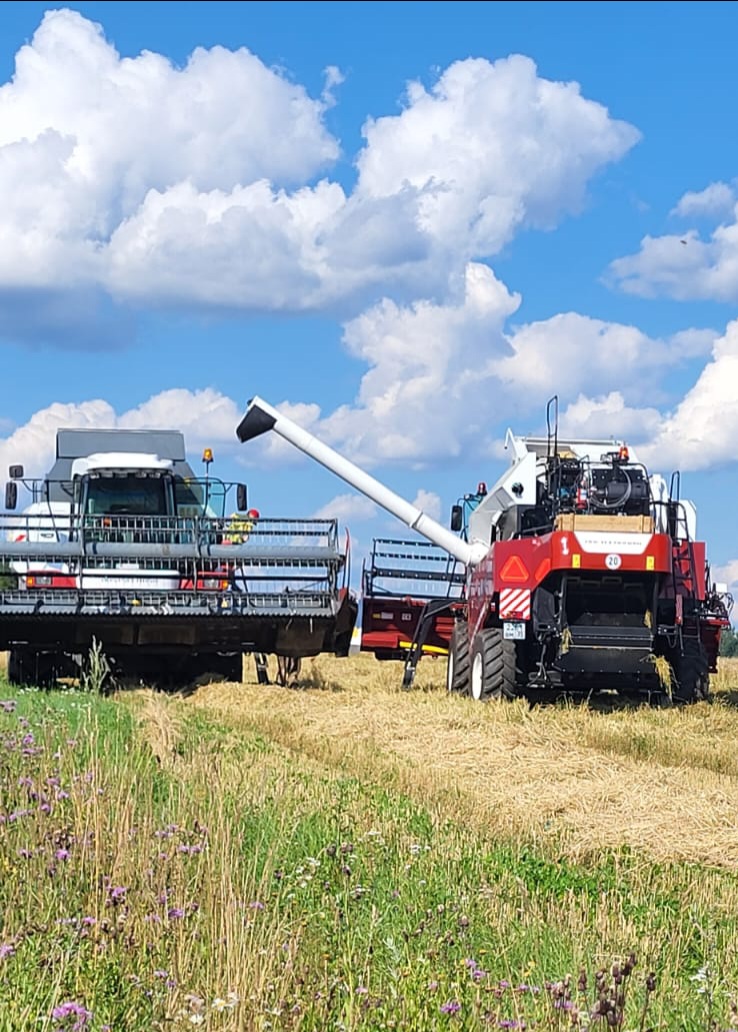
x,y
169,865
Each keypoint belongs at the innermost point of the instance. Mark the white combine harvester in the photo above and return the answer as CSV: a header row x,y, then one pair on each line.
x,y
123,545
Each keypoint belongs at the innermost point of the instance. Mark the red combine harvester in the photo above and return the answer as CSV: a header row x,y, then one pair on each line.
x,y
582,570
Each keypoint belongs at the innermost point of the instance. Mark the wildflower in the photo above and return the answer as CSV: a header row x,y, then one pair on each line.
x,y
196,1019
219,1004
174,913
62,854
450,1007
256,905
160,973
117,894
6,950
7,705
68,1010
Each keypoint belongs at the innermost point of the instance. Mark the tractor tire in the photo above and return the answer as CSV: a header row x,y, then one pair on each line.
x,y
459,660
691,675
494,667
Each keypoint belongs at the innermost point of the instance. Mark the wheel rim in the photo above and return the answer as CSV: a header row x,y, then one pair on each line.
x,y
450,671
477,674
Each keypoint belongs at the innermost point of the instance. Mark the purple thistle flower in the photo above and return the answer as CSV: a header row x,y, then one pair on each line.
x,y
450,1007
256,905
7,949
161,973
70,1009
8,705
117,894
174,913
62,854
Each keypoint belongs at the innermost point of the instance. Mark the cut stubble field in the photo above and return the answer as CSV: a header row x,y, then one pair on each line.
x,y
351,856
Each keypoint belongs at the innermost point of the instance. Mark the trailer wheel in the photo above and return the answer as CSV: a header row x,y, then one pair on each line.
x,y
692,679
494,672
459,660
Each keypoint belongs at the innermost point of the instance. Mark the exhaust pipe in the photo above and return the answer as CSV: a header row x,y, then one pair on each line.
x,y
261,417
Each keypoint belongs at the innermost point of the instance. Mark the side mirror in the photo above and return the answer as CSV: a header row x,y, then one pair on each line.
x,y
457,518
242,498
16,472
11,495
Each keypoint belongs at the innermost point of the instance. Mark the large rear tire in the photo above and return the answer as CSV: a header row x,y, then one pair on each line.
x,y
458,669
691,673
494,667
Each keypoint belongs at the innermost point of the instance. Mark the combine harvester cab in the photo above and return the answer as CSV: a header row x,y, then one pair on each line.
x,y
583,572
124,546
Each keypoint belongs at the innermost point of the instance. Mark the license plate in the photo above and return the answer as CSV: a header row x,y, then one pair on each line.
x,y
513,630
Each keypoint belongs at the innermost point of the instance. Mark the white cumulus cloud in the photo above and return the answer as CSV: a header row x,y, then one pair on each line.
x,y
347,507
688,266
702,430
208,184
717,199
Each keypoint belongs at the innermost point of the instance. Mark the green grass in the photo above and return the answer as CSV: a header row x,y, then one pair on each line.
x,y
230,883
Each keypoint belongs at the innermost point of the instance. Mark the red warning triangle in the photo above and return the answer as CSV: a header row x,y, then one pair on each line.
x,y
514,571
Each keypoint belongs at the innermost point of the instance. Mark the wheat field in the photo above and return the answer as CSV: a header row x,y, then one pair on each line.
x,y
586,777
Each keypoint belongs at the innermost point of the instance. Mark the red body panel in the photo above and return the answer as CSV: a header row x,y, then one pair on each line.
x,y
388,626
526,562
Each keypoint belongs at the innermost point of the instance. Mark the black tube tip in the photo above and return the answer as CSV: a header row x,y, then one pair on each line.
x,y
254,423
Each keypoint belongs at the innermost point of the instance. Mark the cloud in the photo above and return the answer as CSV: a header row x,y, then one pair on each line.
x,y
162,186
608,416
205,417
683,267
347,507
717,199
422,396
687,266
429,503
442,378
576,353
702,431
491,147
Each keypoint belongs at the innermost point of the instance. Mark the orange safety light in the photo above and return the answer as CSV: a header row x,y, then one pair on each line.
x,y
623,454
207,455
481,488
514,570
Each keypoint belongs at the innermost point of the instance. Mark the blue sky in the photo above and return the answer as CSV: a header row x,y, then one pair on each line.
x,y
410,223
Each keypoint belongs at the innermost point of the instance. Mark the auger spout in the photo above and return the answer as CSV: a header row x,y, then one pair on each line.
x,y
261,416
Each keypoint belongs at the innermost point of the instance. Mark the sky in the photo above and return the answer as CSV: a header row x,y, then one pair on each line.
x,y
406,225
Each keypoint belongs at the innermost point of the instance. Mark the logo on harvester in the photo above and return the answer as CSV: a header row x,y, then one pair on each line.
x,y
613,561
